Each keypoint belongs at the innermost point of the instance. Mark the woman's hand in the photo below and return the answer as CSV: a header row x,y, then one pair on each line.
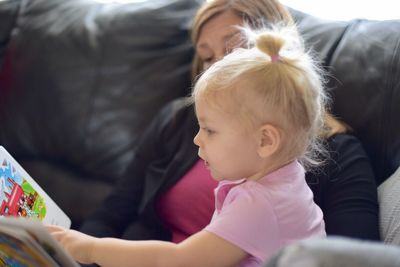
x,y
78,245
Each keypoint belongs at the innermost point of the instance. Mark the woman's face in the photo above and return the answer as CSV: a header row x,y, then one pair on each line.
x,y
218,37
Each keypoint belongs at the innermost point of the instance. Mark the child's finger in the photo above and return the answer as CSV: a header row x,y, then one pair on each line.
x,y
58,235
54,228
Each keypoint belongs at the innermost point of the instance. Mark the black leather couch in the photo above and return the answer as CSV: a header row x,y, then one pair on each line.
x,y
80,80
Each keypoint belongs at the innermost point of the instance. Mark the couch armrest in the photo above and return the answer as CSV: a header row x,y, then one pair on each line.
x,y
335,251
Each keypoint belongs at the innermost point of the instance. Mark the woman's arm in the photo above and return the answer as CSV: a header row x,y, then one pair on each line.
x,y
199,250
346,191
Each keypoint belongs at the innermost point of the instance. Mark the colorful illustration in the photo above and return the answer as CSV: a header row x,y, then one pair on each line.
x,y
17,197
15,253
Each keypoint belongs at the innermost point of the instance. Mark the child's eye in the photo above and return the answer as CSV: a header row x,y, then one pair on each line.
x,y
208,131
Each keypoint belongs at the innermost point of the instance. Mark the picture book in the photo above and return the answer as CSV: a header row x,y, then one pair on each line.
x,y
21,196
25,242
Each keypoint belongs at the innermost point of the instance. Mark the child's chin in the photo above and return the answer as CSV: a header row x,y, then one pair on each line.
x,y
216,177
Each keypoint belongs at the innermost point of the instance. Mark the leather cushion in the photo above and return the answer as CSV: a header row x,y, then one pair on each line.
x,y
88,77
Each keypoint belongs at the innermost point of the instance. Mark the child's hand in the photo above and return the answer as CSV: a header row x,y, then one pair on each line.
x,y
78,245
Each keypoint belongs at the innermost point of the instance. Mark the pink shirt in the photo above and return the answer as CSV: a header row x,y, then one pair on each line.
x,y
188,206
262,216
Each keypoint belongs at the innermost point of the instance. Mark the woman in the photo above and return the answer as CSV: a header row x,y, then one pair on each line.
x,y
167,194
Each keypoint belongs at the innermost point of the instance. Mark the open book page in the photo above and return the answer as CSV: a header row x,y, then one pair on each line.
x,y
18,249
21,196
26,242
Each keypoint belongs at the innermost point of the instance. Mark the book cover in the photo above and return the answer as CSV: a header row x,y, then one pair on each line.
x,y
21,196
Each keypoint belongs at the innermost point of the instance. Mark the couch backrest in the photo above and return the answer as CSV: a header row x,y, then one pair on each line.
x,y
363,58
84,78
79,80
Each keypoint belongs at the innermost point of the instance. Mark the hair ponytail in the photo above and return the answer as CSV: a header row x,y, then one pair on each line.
x,y
271,44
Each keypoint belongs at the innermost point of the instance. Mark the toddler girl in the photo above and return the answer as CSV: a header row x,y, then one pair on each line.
x,y
260,111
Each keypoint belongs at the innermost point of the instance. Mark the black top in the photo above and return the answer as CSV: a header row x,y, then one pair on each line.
x,y
344,187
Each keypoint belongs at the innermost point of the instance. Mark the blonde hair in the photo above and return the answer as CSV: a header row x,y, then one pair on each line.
x,y
255,13
275,82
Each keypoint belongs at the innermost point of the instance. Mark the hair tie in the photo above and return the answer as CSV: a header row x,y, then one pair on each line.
x,y
275,58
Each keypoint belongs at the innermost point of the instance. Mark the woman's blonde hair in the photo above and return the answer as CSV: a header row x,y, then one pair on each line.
x,y
255,13
275,82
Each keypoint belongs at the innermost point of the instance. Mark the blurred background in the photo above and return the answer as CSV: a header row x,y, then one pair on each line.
x,y
333,9
347,9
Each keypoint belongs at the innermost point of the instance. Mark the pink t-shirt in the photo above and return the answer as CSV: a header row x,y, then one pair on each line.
x,y
187,207
262,216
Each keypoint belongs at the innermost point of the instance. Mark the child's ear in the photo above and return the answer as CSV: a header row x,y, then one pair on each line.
x,y
269,140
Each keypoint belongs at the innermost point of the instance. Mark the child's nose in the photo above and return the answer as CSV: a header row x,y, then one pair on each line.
x,y
196,139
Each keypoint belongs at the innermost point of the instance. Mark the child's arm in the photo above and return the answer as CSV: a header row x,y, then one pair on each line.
x,y
201,249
